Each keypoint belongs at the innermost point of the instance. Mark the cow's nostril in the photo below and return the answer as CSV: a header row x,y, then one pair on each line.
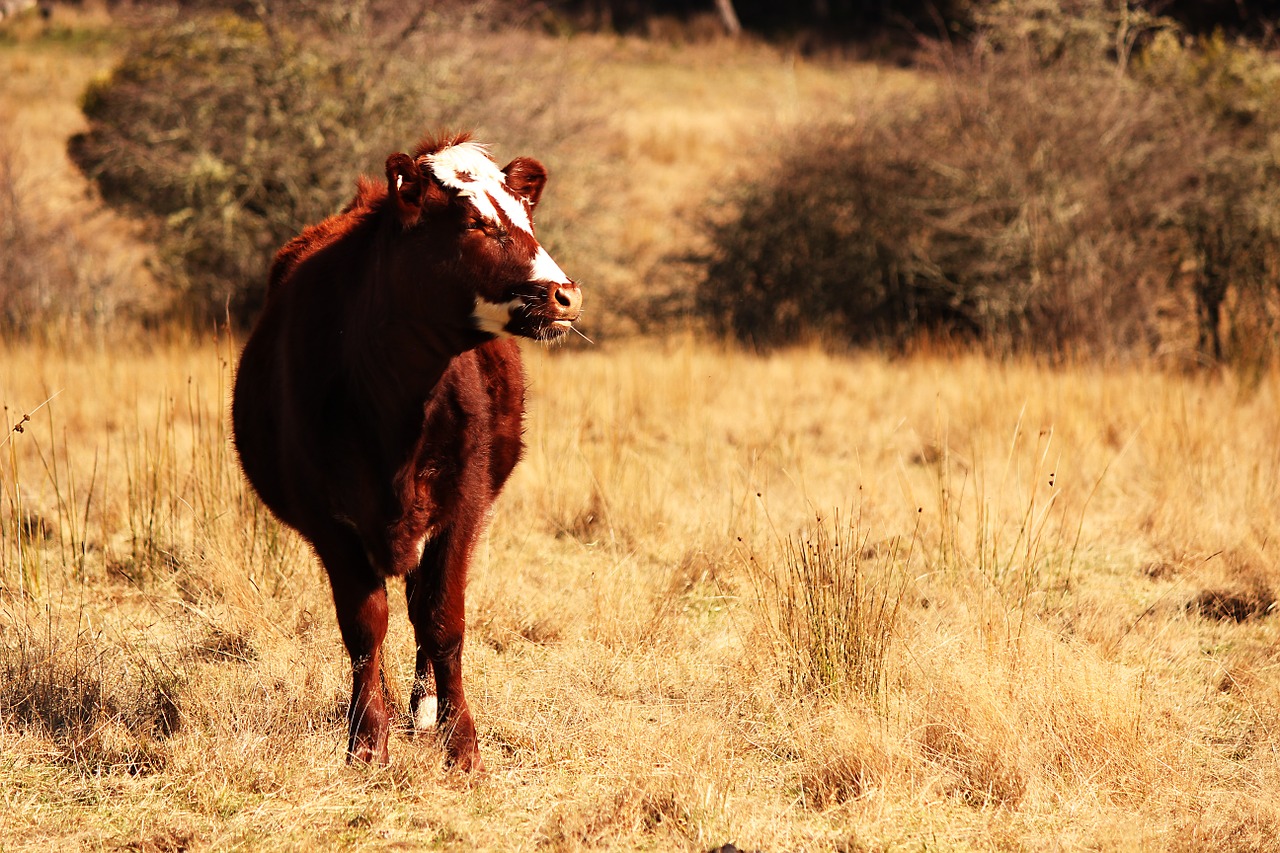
x,y
567,299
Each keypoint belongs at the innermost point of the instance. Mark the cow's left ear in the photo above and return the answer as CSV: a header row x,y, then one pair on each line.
x,y
413,189
404,187
526,178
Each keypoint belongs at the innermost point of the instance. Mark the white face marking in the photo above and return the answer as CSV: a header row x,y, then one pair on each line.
x,y
470,170
425,717
545,269
492,317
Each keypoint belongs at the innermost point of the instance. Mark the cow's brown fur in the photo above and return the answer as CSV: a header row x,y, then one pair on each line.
x,y
374,417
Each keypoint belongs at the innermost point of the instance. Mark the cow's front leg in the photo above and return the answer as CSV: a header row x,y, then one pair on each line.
x,y
437,606
361,600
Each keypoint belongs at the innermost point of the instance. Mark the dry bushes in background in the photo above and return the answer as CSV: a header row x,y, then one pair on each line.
x,y
1225,101
1056,195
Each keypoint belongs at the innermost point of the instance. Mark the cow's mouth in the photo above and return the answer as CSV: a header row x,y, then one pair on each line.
x,y
544,312
529,323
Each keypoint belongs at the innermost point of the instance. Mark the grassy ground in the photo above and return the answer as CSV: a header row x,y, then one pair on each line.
x,y
1070,550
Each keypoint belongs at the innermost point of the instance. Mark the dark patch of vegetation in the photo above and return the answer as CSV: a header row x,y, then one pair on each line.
x,y
1055,196
101,719
1234,605
872,20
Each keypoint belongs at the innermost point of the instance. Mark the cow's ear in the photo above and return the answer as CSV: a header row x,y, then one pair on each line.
x,y
413,188
526,178
404,187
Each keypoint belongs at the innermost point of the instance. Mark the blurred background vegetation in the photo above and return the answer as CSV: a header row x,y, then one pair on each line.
x,y
1086,177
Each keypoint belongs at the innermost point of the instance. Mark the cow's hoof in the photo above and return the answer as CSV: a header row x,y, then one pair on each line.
x,y
461,749
369,747
468,763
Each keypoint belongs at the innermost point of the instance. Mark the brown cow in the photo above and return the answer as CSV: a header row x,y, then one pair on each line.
x,y
379,403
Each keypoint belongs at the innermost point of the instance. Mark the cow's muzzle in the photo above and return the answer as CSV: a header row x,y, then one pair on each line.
x,y
543,310
564,303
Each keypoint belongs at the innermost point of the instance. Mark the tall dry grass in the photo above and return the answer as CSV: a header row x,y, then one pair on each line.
x,y
1058,673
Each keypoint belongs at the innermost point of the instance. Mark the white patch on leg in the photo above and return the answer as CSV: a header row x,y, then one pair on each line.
x,y
492,317
425,717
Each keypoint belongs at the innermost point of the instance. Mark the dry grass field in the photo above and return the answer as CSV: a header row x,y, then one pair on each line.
x,y
797,602
1077,651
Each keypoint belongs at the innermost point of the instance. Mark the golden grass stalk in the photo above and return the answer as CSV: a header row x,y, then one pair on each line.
x,y
830,606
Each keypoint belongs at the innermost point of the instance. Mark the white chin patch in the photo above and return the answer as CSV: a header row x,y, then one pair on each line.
x,y
425,717
493,317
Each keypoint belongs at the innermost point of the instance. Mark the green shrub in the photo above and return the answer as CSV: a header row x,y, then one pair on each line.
x,y
230,135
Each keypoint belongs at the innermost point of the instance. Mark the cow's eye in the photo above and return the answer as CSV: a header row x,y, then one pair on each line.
x,y
476,225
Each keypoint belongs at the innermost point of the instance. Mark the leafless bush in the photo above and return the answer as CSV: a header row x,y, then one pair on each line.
x,y
1225,98
1047,199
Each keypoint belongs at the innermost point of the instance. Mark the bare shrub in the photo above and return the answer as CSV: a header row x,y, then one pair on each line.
x,y
985,216
1226,99
1046,199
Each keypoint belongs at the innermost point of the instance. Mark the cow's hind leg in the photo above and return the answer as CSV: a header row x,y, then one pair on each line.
x,y
437,606
422,697
360,597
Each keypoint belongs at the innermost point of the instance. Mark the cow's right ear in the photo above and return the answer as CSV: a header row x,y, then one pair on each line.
x,y
405,187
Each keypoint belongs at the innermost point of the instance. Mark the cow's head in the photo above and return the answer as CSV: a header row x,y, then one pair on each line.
x,y
483,218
